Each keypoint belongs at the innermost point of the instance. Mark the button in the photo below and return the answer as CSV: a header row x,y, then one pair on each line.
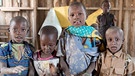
x,y
113,56
111,67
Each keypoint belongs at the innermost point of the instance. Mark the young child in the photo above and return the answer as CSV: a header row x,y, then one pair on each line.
x,y
106,19
78,45
45,60
114,62
15,55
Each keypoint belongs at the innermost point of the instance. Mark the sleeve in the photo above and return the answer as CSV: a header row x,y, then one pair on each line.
x,y
32,48
3,56
29,48
60,47
94,58
131,66
98,66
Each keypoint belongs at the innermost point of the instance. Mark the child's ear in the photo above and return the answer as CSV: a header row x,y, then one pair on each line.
x,y
123,40
28,30
106,46
8,29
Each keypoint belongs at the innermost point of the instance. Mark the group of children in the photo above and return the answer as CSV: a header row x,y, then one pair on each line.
x,y
78,46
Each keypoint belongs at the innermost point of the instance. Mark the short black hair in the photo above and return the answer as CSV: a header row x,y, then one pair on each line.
x,y
117,29
19,19
75,3
46,30
105,1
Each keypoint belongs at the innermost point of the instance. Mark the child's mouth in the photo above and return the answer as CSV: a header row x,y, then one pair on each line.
x,y
18,38
113,48
77,22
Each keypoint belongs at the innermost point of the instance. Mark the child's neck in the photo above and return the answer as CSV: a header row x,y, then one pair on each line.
x,y
17,42
105,12
43,55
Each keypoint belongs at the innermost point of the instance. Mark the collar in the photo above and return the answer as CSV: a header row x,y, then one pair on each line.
x,y
117,54
82,31
10,44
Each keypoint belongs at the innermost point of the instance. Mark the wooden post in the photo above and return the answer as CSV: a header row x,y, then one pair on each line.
x,y
3,15
78,0
8,16
25,14
71,1
126,27
87,3
63,2
133,32
132,29
49,3
120,13
116,4
34,20
56,3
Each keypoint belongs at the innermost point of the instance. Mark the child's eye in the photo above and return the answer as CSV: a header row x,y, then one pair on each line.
x,y
109,39
79,14
51,45
14,29
72,15
23,29
116,39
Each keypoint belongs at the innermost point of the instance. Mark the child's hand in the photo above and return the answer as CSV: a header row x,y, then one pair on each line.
x,y
17,69
53,70
13,70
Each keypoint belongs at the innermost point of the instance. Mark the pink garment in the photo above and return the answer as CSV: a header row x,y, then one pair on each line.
x,y
39,57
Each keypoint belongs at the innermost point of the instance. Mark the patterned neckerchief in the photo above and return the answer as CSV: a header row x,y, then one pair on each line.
x,y
18,50
82,31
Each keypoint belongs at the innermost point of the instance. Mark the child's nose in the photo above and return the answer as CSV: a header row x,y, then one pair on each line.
x,y
113,41
18,32
46,47
76,16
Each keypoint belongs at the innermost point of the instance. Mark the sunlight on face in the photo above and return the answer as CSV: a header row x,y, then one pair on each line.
x,y
18,31
77,15
114,40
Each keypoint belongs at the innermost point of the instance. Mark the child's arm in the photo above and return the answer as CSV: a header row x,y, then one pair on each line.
x,y
31,69
13,70
130,66
90,69
64,67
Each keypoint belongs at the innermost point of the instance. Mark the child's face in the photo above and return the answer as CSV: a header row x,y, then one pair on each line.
x,y
106,7
114,40
48,43
77,15
18,31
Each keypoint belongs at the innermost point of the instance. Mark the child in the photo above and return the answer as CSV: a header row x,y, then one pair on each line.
x,y
15,55
114,62
106,19
45,60
79,43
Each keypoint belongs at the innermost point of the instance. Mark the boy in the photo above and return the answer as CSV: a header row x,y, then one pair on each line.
x,y
114,62
106,19
15,55
79,42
